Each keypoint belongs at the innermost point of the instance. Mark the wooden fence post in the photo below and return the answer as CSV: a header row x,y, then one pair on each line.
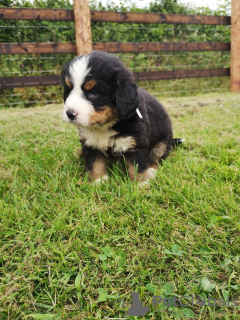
x,y
235,46
83,32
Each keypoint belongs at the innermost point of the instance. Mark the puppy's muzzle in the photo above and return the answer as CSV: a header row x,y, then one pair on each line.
x,y
71,114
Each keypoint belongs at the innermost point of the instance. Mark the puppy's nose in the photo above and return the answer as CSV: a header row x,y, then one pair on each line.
x,y
71,114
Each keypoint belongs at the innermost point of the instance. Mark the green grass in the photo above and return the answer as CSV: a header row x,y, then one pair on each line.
x,y
72,250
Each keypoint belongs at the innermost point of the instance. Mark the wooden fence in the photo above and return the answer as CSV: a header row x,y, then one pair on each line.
x,y
83,17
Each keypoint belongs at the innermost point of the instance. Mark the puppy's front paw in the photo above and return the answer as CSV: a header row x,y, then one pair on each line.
x,y
151,173
144,184
101,179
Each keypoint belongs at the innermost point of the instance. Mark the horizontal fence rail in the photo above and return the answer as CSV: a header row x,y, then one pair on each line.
x,y
134,17
55,80
181,74
106,16
113,47
36,14
161,46
31,81
37,48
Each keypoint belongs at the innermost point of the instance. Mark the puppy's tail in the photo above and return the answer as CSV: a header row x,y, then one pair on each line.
x,y
177,142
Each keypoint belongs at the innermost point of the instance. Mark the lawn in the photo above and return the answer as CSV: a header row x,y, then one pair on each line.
x,y
74,250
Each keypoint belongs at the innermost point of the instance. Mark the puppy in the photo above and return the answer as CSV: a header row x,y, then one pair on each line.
x,y
115,117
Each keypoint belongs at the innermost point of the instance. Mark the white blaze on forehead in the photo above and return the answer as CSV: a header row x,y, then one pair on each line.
x,y
76,101
79,70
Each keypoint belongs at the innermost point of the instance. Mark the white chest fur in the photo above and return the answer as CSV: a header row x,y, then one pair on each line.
x,y
105,138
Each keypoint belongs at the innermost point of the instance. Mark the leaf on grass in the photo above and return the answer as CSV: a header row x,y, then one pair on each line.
x,y
108,251
102,257
235,286
121,256
78,280
168,251
102,295
203,295
105,265
205,249
206,285
188,312
176,250
150,288
178,314
121,261
213,219
66,278
225,295
167,288
224,263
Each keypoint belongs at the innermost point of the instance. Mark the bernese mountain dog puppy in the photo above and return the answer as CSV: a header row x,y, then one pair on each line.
x,y
115,117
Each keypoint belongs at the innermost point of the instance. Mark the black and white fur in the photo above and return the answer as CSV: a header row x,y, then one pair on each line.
x,y
114,116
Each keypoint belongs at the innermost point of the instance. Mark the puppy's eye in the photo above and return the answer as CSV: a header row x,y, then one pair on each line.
x,y
93,92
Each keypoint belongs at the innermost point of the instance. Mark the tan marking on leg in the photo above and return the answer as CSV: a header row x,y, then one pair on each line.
x,y
68,82
158,152
99,169
131,169
89,84
144,176
133,174
101,117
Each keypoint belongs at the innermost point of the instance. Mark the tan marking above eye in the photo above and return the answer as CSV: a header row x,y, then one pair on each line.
x,y
89,84
68,82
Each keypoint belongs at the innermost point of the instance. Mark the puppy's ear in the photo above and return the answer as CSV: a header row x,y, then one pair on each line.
x,y
127,98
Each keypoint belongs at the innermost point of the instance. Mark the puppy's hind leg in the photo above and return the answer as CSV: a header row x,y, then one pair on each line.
x,y
159,151
139,167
